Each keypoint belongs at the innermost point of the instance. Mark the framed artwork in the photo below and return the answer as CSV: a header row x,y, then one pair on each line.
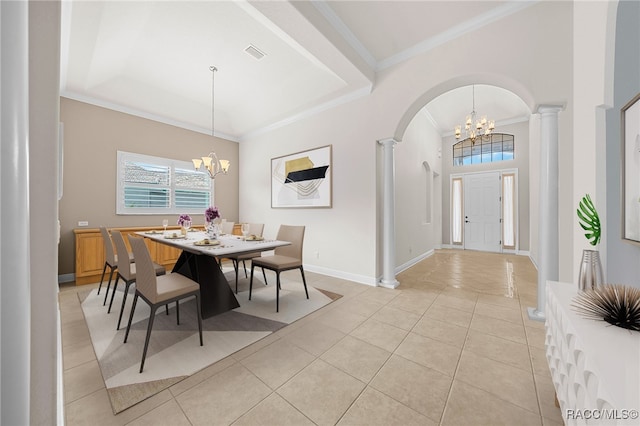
x,y
302,180
630,130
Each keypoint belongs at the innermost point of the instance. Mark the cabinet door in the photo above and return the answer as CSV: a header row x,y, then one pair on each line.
x,y
90,259
166,255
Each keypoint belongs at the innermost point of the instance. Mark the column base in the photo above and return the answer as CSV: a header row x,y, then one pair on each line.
x,y
389,283
536,315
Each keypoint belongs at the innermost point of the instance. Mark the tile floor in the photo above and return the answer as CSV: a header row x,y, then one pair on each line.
x,y
452,345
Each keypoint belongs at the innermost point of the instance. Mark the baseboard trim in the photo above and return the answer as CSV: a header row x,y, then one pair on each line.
x,y
413,261
66,278
361,279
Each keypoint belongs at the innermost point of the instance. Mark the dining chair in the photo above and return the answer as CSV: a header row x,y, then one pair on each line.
x,y
285,258
111,261
159,290
254,229
227,227
128,273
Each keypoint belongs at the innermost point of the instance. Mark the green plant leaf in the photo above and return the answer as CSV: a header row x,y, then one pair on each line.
x,y
589,220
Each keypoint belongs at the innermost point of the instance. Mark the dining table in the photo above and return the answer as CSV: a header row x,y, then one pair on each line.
x,y
200,261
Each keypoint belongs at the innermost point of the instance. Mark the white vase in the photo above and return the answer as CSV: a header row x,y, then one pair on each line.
x,y
591,275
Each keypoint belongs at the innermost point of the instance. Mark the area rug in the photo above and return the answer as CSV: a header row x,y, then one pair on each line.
x,y
174,350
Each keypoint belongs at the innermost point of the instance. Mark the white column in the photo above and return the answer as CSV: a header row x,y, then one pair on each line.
x,y
388,216
547,206
15,311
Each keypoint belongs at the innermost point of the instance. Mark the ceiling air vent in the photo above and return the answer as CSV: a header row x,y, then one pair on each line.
x,y
254,51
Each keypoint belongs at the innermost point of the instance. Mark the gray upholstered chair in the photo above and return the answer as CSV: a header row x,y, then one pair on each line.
x,y
159,290
285,258
127,273
111,260
254,229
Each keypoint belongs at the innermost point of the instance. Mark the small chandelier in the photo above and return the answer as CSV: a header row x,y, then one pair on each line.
x,y
211,163
483,127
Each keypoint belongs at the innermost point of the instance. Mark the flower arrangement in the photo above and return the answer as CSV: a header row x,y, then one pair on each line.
x,y
183,219
211,213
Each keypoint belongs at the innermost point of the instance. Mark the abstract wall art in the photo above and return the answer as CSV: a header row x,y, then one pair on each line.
x,y
631,170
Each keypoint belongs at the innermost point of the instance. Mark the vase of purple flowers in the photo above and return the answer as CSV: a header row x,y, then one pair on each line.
x,y
185,223
210,215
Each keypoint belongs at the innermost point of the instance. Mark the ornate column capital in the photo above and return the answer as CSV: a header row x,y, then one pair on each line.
x,y
549,109
387,141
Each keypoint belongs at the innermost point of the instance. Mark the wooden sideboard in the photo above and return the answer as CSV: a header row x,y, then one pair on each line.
x,y
90,254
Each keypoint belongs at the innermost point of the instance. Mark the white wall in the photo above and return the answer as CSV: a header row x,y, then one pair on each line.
x,y
535,66
415,237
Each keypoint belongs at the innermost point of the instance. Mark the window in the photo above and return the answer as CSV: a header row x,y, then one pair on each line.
x,y
456,211
508,211
428,191
494,147
155,185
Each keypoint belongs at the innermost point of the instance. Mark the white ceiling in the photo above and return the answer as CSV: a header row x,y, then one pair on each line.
x,y
152,58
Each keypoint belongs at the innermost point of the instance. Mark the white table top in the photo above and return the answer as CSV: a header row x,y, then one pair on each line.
x,y
229,244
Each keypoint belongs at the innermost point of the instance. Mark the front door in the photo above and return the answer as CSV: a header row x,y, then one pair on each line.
x,y
482,227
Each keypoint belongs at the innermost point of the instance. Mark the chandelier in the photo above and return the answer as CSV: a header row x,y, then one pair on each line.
x,y
482,127
211,163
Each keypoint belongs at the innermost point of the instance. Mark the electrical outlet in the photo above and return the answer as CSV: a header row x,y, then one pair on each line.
x,y
83,223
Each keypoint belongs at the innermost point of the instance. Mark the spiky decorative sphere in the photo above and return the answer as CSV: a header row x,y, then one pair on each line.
x,y
617,304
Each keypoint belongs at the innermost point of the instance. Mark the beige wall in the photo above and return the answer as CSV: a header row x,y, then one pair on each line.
x,y
92,136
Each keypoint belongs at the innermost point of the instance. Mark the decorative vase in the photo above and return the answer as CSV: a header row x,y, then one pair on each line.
x,y
591,275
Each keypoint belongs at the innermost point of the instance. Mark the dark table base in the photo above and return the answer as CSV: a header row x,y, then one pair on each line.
x,y
216,296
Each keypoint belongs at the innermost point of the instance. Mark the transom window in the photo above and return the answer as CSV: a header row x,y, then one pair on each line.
x,y
486,149
156,185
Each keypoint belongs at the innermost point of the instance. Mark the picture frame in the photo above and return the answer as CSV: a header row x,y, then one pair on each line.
x,y
630,131
302,179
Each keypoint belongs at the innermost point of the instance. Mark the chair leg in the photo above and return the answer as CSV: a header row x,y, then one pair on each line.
x,y
278,291
124,301
177,311
133,309
199,317
109,286
235,268
104,270
244,265
113,292
304,281
166,308
263,275
251,282
152,316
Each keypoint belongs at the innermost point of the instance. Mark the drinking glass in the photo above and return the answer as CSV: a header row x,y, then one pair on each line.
x,y
245,229
186,225
165,223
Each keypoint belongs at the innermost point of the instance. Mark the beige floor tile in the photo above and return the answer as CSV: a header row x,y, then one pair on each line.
x,y
314,337
509,383
224,397
536,337
201,376
510,302
322,392
77,354
420,388
416,303
273,410
357,358
468,405
95,409
380,334
449,315
547,398
539,361
364,307
278,362
499,312
74,333
430,353
455,302
441,331
342,319
396,317
380,294
375,408
498,349
254,347
168,414
497,327
82,380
